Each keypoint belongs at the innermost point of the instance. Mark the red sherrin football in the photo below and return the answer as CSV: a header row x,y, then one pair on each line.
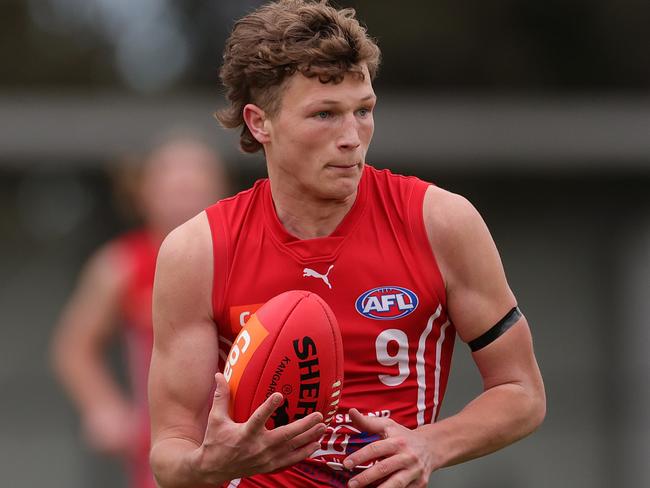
x,y
292,344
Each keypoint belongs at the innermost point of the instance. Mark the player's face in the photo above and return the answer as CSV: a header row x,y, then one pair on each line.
x,y
180,179
320,136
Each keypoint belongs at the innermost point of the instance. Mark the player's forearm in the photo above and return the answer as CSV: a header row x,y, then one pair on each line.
x,y
498,417
171,462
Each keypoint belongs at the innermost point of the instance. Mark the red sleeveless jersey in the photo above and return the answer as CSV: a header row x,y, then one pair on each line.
x,y
378,274
138,251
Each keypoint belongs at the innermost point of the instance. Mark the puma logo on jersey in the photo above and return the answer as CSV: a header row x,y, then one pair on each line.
x,y
308,272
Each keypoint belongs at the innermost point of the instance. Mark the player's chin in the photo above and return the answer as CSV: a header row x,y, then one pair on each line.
x,y
342,181
340,191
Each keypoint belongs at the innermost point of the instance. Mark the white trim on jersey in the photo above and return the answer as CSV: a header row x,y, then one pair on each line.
x,y
223,354
234,483
420,366
436,391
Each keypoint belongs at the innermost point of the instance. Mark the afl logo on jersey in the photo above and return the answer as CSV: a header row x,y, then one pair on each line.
x,y
387,303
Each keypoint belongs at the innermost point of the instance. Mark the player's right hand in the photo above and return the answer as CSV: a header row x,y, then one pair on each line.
x,y
232,450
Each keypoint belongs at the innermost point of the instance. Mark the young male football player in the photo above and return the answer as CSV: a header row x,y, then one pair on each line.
x,y
403,264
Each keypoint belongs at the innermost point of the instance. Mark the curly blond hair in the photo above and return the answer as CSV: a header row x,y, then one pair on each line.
x,y
280,39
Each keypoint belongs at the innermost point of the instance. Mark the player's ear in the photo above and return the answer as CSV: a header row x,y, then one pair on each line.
x,y
256,121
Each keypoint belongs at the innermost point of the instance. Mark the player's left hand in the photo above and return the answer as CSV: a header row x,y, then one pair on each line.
x,y
403,456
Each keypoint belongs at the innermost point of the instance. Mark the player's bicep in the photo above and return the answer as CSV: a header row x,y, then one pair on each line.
x,y
180,384
478,295
185,353
479,300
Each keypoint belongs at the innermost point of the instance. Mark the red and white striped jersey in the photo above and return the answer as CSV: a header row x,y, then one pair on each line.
x,y
378,274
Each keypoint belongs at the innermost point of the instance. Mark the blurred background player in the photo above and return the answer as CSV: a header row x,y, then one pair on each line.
x,y
178,178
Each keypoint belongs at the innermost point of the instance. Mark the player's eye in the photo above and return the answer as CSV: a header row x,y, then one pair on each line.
x,y
363,112
323,114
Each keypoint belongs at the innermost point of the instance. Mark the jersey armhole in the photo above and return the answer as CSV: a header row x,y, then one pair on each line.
x,y
221,261
418,228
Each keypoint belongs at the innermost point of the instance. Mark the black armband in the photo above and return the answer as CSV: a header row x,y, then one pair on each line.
x,y
495,332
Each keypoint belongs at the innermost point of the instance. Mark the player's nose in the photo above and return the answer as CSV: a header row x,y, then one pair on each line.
x,y
349,136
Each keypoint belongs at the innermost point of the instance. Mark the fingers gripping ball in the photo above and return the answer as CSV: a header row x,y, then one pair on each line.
x,y
292,345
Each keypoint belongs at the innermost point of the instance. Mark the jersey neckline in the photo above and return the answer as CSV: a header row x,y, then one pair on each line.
x,y
318,248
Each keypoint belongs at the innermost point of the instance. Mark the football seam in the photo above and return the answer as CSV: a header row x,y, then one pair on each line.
x,y
327,311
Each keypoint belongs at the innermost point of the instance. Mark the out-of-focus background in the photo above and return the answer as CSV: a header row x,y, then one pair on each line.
x,y
537,111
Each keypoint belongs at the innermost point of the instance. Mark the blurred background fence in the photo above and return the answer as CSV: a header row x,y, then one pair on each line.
x,y
537,111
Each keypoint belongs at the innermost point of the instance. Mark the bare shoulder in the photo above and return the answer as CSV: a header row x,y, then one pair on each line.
x,y
188,248
478,294
449,212
183,282
455,228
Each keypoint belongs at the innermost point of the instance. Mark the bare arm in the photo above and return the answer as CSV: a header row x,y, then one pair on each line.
x,y
185,352
194,441
79,344
512,403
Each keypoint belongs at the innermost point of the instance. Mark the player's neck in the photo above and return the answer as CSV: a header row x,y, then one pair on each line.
x,y
309,218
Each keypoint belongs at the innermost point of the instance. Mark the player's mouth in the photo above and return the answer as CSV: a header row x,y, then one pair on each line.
x,y
343,167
